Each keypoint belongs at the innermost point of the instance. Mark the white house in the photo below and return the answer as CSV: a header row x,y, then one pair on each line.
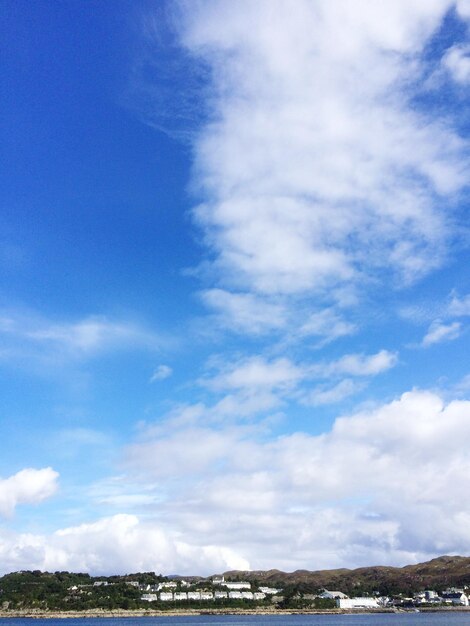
x,y
270,590
180,595
455,597
220,594
194,595
332,595
166,596
218,580
167,585
149,597
357,603
236,585
207,595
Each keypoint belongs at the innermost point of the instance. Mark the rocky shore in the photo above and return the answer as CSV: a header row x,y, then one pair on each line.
x,y
41,614
119,613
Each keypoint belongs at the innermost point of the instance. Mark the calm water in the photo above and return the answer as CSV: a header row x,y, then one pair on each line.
x,y
383,619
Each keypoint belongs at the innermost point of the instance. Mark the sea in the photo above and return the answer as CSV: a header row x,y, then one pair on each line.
x,y
380,619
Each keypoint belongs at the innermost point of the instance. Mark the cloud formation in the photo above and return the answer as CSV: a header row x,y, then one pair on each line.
x,y
28,486
233,497
339,498
316,167
31,338
457,62
439,331
161,372
115,544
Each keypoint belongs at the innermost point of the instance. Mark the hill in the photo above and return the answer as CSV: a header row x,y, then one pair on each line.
x,y
439,573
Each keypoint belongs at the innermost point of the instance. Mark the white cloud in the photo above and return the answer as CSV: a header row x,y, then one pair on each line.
x,y
340,391
438,332
315,167
256,384
257,373
463,9
364,365
161,372
463,386
457,62
91,334
459,307
327,324
232,497
339,498
245,312
116,544
28,486
35,340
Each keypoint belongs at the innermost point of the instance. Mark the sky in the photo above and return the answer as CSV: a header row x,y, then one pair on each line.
x,y
234,295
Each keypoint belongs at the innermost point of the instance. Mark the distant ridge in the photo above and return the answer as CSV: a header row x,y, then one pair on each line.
x,y
441,572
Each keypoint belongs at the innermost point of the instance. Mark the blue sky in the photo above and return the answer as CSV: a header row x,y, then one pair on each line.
x,y
234,284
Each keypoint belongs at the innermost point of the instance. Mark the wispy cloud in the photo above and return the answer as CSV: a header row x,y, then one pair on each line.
x,y
328,325
245,312
332,395
160,373
459,306
31,338
363,365
257,373
439,332
301,193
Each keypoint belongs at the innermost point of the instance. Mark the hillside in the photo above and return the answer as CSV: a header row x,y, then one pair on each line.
x,y
439,573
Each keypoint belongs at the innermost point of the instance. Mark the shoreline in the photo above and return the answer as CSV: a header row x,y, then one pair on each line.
x,y
121,613
136,613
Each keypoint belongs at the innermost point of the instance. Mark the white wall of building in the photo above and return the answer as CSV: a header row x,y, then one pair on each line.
x,y
357,603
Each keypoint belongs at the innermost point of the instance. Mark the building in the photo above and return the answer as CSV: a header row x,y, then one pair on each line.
x,y
194,595
455,597
149,597
332,595
166,596
270,590
167,585
180,595
237,585
357,603
207,595
218,580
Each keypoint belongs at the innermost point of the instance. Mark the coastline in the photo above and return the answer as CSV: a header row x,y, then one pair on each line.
x,y
135,613
121,613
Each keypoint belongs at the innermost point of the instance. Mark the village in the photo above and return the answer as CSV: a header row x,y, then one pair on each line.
x,y
229,590
221,589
